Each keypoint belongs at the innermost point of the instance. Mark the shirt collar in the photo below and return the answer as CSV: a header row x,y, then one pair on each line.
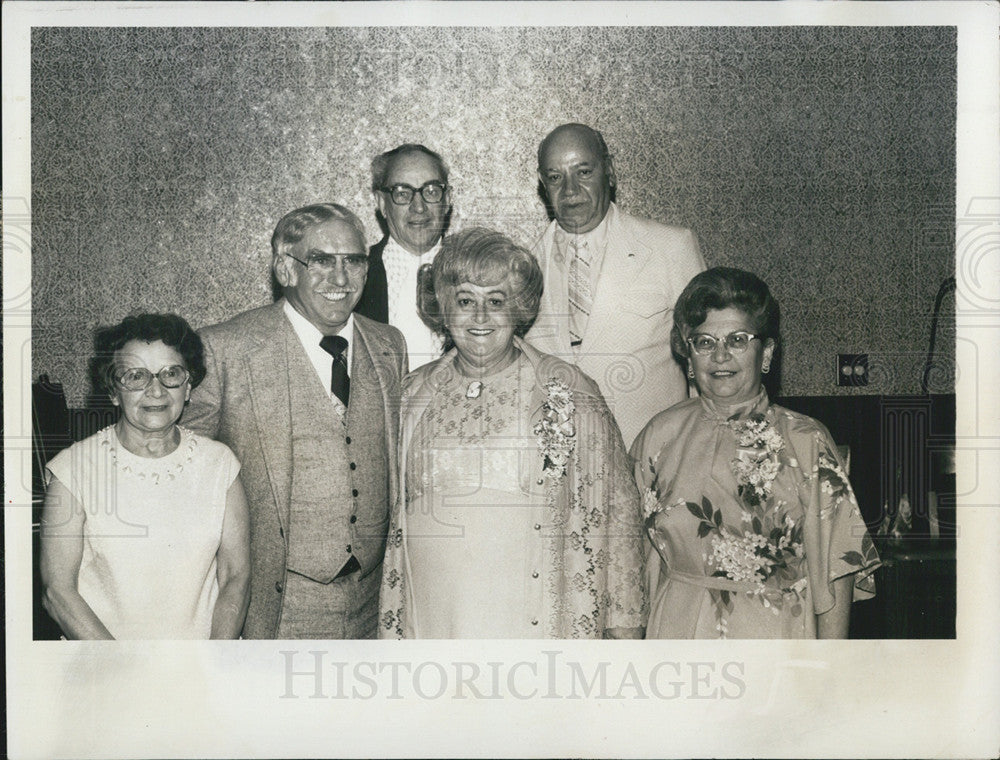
x,y
742,410
309,334
596,238
392,248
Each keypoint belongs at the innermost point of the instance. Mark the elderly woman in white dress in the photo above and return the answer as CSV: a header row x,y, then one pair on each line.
x,y
520,516
145,525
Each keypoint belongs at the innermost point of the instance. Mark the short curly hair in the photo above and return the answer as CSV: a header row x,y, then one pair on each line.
x,y
723,288
482,257
172,329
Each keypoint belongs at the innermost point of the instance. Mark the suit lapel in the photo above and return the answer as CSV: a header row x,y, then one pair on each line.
x,y
267,367
374,301
379,350
624,258
556,278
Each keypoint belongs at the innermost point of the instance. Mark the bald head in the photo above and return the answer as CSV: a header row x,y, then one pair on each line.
x,y
579,131
574,167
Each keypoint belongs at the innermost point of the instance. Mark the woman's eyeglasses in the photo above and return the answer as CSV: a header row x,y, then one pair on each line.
x,y
737,342
431,192
139,378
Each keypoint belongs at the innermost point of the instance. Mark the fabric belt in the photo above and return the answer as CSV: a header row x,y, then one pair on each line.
x,y
712,582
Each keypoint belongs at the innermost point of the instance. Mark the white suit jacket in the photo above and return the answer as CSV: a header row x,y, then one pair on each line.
x,y
626,346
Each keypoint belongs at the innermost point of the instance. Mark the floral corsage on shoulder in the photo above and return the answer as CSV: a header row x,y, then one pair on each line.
x,y
556,431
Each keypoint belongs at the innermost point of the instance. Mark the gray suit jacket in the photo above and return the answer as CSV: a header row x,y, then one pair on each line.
x,y
626,346
244,402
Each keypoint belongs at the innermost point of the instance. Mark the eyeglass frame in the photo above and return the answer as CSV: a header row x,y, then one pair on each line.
x,y
413,191
724,340
117,375
346,257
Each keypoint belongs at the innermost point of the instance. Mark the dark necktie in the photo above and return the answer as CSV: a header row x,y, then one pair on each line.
x,y
340,383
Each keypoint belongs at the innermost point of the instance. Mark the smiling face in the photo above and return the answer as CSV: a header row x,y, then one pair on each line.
x,y
325,300
155,409
481,321
724,376
418,225
577,178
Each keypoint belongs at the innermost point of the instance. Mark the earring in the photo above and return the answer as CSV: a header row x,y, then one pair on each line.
x,y
691,372
765,369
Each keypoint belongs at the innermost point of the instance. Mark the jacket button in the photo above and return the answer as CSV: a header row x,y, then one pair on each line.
x,y
354,492
348,548
354,466
347,439
535,621
538,526
278,587
540,481
534,574
354,518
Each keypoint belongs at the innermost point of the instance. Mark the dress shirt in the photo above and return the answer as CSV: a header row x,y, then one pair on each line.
x,y
595,243
401,266
309,336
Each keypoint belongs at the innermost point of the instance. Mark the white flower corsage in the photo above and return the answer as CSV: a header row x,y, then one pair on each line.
x,y
756,464
556,432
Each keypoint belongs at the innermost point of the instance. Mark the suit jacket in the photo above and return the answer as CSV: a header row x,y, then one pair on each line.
x,y
374,301
244,402
626,346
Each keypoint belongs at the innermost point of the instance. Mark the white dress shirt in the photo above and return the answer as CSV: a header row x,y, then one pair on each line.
x,y
309,336
594,243
422,344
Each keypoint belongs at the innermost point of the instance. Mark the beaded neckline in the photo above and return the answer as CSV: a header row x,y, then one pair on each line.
x,y
154,470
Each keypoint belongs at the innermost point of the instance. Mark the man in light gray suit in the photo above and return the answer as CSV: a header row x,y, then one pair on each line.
x,y
307,396
611,281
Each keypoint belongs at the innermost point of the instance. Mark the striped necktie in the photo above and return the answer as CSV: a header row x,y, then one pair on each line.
x,y
578,286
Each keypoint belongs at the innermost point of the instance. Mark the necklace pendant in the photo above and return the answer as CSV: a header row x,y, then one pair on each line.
x,y
475,389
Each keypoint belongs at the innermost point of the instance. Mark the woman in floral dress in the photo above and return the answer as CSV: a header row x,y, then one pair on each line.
x,y
520,516
755,530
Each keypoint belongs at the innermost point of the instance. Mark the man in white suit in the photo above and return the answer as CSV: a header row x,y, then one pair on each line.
x,y
611,281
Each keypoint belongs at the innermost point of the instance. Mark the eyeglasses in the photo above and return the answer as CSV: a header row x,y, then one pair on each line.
x,y
139,378
431,192
737,342
325,263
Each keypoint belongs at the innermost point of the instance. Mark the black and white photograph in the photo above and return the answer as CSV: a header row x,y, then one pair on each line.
x,y
427,379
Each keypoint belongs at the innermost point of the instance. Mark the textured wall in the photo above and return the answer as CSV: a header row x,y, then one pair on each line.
x,y
822,158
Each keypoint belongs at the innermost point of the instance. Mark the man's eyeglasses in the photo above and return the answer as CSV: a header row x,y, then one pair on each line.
x,y
325,263
139,378
737,342
431,192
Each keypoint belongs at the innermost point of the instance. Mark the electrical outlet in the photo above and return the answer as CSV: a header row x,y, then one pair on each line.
x,y
852,369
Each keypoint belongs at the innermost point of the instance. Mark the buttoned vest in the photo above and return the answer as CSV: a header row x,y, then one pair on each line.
x,y
340,474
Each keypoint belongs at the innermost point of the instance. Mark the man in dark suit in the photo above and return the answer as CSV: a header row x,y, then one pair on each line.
x,y
306,394
410,185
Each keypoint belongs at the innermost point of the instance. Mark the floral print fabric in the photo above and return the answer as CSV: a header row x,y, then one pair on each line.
x,y
592,559
751,518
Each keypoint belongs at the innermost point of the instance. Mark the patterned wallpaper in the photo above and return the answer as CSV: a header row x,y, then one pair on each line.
x,y
821,158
